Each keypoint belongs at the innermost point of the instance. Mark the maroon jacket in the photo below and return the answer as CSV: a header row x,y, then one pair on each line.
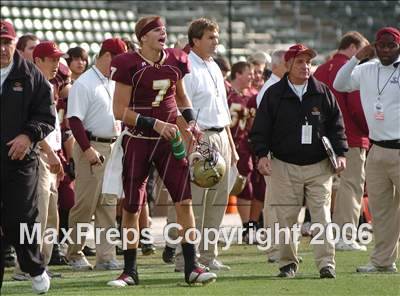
x,y
349,103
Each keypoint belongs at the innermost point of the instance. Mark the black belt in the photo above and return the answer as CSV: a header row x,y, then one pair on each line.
x,y
102,140
214,129
391,144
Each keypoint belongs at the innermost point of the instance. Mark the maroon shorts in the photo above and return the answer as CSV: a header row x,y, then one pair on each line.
x,y
139,153
66,193
66,188
255,187
245,168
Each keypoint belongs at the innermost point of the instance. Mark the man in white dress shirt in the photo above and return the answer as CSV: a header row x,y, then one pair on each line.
x,y
205,88
378,82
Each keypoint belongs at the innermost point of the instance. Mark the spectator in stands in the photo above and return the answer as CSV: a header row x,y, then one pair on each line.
x,y
22,129
95,130
26,44
206,90
78,61
351,189
292,116
378,82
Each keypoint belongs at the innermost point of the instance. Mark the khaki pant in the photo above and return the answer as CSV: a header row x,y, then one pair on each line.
x,y
209,205
290,185
270,219
89,202
351,189
383,186
47,206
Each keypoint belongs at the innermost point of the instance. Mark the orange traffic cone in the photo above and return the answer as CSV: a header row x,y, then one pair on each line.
x,y
232,205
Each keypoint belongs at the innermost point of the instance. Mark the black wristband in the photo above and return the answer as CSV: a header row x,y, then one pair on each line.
x,y
188,114
145,122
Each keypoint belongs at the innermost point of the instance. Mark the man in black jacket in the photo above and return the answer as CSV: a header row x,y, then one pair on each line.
x,y
27,116
293,116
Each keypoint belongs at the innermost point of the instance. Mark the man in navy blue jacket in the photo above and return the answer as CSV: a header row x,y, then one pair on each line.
x,y
27,117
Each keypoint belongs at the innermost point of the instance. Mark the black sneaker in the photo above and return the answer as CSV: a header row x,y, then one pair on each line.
x,y
168,255
119,251
9,257
327,272
57,257
89,251
288,271
148,249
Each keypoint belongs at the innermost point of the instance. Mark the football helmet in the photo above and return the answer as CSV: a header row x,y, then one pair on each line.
x,y
207,166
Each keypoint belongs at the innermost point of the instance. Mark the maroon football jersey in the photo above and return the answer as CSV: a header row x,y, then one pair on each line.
x,y
154,84
239,115
240,130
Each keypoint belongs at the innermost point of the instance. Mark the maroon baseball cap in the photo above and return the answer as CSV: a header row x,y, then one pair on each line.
x,y
391,31
47,49
298,49
7,30
114,46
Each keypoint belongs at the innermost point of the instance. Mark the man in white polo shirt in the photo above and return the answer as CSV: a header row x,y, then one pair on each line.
x,y
378,82
205,88
90,114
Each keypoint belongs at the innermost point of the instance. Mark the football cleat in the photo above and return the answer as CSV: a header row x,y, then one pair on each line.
x,y
125,280
200,276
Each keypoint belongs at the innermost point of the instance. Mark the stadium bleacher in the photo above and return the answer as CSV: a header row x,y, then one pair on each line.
x,y
256,25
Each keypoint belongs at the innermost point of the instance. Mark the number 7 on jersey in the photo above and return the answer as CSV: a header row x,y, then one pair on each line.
x,y
162,86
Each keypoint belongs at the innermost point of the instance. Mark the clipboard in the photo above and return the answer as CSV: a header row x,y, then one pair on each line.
x,y
331,153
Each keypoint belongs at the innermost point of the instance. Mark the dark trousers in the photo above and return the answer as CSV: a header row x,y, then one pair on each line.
x,y
19,181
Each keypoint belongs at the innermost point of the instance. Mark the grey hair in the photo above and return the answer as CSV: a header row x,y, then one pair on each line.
x,y
277,57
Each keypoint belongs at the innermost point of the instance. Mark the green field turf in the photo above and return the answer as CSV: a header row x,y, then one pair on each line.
x,y
250,275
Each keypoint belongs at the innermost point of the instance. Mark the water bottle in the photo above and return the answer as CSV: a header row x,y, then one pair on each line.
x,y
178,148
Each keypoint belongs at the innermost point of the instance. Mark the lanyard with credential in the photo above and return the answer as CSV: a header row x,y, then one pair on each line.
x,y
102,83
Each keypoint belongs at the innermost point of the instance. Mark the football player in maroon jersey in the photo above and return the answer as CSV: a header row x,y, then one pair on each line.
x,y
242,106
148,93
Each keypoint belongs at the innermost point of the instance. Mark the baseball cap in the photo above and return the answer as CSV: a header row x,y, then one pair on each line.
x,y
388,30
47,49
114,46
298,49
7,30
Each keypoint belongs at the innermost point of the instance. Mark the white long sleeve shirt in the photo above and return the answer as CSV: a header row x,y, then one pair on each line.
x,y
271,81
205,88
365,78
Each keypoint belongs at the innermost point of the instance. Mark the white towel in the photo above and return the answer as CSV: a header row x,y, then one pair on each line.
x,y
112,180
233,173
